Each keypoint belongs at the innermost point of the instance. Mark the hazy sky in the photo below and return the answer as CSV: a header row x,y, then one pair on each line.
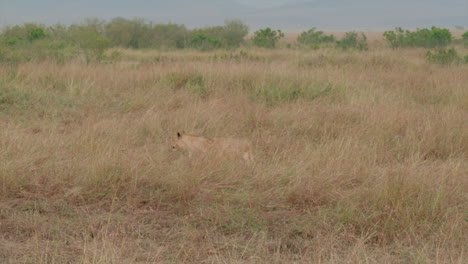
x,y
293,15
269,3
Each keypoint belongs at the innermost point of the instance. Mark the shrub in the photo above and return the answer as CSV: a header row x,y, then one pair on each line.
x,y
19,35
313,39
168,36
31,42
353,40
231,35
35,33
267,38
204,43
444,57
12,41
465,39
128,33
428,38
234,33
395,38
89,41
439,37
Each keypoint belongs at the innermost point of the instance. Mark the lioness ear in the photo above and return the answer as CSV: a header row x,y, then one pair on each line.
x,y
178,134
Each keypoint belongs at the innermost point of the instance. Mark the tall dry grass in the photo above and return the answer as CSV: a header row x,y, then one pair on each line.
x,y
360,158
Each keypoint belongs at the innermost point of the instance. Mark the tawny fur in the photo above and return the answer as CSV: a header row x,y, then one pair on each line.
x,y
219,147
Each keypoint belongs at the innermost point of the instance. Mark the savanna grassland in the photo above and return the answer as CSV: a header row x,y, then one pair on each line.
x,y
360,157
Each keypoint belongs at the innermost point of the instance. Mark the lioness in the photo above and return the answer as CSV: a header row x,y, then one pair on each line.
x,y
195,145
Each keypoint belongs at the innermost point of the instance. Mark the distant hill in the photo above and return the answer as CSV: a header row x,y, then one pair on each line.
x,y
295,15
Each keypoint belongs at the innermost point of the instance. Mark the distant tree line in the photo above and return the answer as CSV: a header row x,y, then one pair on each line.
x,y
92,37
134,33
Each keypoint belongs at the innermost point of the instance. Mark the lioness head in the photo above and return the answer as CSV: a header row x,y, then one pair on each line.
x,y
176,141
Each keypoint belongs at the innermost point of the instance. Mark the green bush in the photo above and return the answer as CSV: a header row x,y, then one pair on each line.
x,y
204,43
89,41
35,33
167,36
128,33
395,38
231,35
267,38
32,42
313,38
20,35
444,57
234,33
14,40
465,39
353,40
427,38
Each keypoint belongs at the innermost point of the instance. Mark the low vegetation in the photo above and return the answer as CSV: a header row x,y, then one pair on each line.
x,y
267,38
353,40
314,38
90,40
445,57
465,39
427,38
93,36
360,157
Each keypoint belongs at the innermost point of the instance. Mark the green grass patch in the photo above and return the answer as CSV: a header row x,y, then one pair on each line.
x,y
292,92
11,97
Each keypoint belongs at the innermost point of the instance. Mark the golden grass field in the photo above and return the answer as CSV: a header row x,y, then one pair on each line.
x,y
360,157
